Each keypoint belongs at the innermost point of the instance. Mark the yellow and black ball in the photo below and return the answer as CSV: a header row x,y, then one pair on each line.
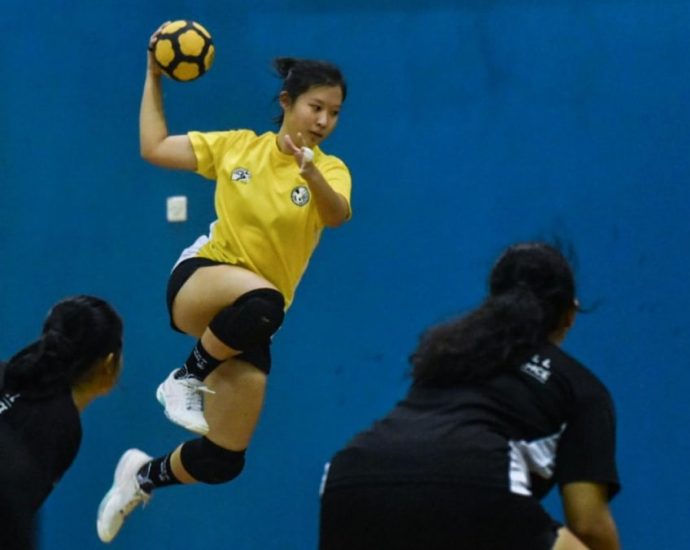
x,y
184,50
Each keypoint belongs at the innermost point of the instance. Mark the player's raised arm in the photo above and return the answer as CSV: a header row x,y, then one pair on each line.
x,y
156,145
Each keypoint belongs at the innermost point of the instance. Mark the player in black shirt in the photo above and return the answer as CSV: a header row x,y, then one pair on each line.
x,y
43,390
496,415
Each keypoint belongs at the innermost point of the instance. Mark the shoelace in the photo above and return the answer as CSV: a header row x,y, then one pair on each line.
x,y
139,496
194,400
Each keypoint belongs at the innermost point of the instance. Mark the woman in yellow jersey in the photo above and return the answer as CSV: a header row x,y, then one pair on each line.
x,y
275,193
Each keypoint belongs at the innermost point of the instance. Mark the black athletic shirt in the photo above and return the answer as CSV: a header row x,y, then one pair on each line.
x,y
45,431
547,421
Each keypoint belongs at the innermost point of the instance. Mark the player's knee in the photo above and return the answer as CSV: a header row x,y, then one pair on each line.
x,y
209,463
251,320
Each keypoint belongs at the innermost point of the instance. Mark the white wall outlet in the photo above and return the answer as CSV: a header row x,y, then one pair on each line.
x,y
177,209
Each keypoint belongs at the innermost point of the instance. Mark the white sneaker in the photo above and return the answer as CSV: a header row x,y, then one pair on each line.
x,y
124,496
183,401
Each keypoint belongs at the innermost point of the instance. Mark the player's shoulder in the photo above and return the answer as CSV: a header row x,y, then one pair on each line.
x,y
242,135
247,133
581,377
320,154
237,134
221,139
323,159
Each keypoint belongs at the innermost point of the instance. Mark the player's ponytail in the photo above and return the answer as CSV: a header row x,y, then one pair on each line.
x,y
531,290
283,65
76,333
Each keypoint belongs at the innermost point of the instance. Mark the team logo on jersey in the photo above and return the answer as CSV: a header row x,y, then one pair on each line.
x,y
241,175
538,368
7,400
300,195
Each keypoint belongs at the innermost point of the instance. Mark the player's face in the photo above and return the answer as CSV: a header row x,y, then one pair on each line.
x,y
314,114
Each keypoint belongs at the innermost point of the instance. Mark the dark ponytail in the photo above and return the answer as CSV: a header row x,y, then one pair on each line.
x,y
283,66
531,289
299,75
76,333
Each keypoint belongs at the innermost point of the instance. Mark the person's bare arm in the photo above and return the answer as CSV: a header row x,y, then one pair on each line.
x,y
588,516
156,146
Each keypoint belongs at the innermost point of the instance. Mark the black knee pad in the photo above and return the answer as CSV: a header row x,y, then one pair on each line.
x,y
208,463
251,320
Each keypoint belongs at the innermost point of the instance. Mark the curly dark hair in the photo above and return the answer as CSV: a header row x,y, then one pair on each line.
x,y
531,288
76,333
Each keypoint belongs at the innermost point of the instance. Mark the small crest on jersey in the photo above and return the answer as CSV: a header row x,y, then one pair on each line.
x,y
6,401
300,195
538,368
241,175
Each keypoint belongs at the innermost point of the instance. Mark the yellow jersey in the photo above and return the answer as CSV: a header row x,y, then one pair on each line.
x,y
267,220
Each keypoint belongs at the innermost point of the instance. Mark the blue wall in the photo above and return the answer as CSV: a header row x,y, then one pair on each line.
x,y
471,124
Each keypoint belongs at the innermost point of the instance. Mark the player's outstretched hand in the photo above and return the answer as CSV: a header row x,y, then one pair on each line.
x,y
303,155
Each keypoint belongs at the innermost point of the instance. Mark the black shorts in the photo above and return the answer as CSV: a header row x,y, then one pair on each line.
x,y
259,357
432,517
